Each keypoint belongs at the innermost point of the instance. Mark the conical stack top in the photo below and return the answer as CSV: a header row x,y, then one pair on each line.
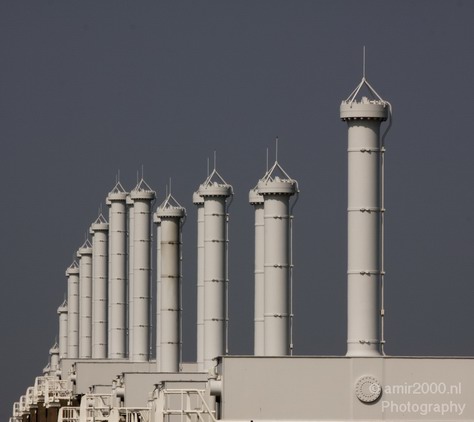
x,y
277,182
63,307
54,348
142,191
72,269
215,185
118,193
254,197
371,107
170,207
100,224
85,249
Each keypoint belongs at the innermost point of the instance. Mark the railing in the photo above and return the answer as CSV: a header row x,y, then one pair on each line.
x,y
16,409
40,387
56,390
23,404
130,414
185,405
68,414
30,396
171,405
75,414
94,408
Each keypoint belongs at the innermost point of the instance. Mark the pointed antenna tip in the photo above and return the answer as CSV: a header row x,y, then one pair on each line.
x,y
276,149
363,62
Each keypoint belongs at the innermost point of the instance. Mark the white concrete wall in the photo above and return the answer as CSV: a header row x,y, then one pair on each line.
x,y
324,388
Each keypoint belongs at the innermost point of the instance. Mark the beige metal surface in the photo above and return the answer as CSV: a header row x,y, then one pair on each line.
x,y
326,388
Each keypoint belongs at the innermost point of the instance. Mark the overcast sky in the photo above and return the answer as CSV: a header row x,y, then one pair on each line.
x,y
89,88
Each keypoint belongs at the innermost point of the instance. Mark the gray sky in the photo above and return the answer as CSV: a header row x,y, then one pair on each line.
x,y
87,88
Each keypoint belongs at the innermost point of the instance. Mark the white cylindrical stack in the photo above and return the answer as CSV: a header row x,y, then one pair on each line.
x,y
259,276
54,360
276,193
72,274
215,268
131,228
117,321
85,300
199,202
364,230
142,197
100,232
170,214
157,221
63,329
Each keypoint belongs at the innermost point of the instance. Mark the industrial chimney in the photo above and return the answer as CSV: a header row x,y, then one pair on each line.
x,y
72,274
215,192
256,200
142,196
131,229
100,234
157,221
63,321
277,187
84,254
117,272
54,360
199,202
364,221
170,214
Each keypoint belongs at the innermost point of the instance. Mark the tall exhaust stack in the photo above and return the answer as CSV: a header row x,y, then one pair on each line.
x,y
72,274
276,191
256,200
157,221
116,200
54,360
364,221
170,214
63,331
100,234
215,192
85,300
199,202
142,196
131,229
